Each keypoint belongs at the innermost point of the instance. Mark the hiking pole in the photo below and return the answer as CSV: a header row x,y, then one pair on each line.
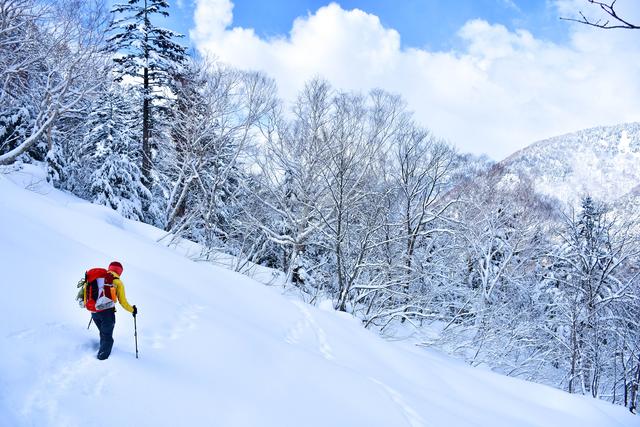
x,y
135,334
90,320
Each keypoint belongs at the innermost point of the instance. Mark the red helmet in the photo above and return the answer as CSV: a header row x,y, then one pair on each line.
x,y
116,267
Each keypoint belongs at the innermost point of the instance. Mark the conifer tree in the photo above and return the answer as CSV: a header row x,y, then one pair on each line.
x,y
114,178
148,54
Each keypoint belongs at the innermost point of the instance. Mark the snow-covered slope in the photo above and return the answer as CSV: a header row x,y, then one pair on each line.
x,y
602,161
216,348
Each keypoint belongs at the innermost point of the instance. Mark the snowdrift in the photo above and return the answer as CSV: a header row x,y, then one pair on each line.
x,y
216,348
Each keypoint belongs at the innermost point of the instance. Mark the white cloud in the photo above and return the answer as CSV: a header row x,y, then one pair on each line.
x,y
502,91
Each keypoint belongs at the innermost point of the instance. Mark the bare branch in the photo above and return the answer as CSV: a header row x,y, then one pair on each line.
x,y
609,9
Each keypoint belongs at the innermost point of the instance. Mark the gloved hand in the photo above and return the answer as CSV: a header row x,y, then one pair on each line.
x,y
135,311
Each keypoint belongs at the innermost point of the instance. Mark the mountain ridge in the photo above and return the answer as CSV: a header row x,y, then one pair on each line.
x,y
602,161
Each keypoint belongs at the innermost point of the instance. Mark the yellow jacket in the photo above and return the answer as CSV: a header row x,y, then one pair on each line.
x,y
117,282
122,298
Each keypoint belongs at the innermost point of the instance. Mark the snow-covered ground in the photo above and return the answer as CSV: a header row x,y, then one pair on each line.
x,y
216,347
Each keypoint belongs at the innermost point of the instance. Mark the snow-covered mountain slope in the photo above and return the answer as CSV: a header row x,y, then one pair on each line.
x,y
602,161
216,348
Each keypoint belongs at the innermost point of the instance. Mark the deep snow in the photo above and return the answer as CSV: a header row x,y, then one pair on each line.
x,y
216,347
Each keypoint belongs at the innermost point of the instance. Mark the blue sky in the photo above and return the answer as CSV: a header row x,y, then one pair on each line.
x,y
422,23
489,76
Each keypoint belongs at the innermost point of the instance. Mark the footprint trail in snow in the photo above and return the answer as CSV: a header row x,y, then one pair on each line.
x,y
308,325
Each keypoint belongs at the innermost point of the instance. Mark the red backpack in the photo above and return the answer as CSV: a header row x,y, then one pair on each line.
x,y
100,292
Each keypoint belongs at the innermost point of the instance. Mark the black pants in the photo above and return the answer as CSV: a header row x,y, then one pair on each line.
x,y
105,321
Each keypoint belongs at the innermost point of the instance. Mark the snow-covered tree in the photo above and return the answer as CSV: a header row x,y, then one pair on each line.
x,y
49,65
352,217
421,168
291,178
148,55
489,297
107,161
595,286
212,124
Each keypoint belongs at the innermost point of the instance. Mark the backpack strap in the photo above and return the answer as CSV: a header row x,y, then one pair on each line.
x,y
114,294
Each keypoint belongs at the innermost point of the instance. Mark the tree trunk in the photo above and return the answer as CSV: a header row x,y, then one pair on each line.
x,y
146,105
574,355
633,395
146,146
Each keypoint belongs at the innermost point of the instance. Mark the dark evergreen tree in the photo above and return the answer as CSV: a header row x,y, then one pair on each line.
x,y
148,54
112,175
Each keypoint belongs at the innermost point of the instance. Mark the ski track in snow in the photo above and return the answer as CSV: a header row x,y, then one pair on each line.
x,y
414,419
186,321
295,334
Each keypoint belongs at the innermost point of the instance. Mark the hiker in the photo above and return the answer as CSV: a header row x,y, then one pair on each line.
x,y
101,289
